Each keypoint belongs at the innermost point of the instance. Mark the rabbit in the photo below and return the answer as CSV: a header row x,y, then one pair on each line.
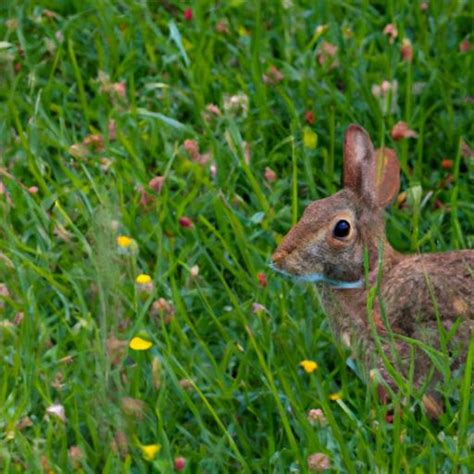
x,y
419,296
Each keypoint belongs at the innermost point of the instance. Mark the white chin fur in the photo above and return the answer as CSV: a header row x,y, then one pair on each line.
x,y
320,278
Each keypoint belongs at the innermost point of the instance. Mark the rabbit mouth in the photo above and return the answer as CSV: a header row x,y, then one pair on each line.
x,y
320,278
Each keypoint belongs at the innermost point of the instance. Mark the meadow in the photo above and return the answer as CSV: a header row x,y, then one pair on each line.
x,y
152,155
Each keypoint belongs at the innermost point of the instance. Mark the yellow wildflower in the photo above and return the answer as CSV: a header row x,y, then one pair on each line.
x,y
139,344
144,283
143,279
310,138
335,396
309,366
123,241
150,451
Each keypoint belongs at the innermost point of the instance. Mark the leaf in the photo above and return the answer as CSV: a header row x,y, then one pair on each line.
x,y
176,37
257,218
165,119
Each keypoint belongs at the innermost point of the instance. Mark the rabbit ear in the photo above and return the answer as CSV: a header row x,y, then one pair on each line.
x,y
372,175
358,151
383,179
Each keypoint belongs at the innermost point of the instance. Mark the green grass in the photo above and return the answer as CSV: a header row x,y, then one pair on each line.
x,y
246,407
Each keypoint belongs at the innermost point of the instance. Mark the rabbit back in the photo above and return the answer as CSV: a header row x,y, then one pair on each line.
x,y
422,288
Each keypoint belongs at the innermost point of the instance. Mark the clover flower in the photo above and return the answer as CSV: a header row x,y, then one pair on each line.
x,y
316,416
318,462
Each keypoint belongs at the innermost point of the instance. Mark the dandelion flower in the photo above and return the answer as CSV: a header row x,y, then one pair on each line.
x,y
126,245
335,396
139,344
143,279
150,451
144,283
123,241
309,366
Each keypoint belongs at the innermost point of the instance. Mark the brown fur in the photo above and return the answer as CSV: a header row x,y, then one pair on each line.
x,y
420,296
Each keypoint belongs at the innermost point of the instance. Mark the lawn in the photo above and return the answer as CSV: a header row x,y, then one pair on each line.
x,y
152,155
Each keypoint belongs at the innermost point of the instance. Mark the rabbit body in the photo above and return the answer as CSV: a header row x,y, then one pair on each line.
x,y
428,298
416,300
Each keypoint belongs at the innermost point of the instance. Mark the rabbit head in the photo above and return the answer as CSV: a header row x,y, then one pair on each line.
x,y
327,244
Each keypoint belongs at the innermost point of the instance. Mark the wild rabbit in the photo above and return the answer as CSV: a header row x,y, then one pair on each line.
x,y
427,298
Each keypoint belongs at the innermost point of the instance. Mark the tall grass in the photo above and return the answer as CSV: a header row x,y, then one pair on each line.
x,y
221,385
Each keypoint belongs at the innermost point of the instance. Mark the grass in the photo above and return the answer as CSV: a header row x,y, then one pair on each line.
x,y
221,385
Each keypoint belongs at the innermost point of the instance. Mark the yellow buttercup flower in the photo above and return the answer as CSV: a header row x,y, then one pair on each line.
x,y
123,241
309,366
139,344
150,451
310,138
335,396
143,279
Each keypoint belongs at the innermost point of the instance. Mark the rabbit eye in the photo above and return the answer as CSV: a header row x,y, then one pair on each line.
x,y
342,229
